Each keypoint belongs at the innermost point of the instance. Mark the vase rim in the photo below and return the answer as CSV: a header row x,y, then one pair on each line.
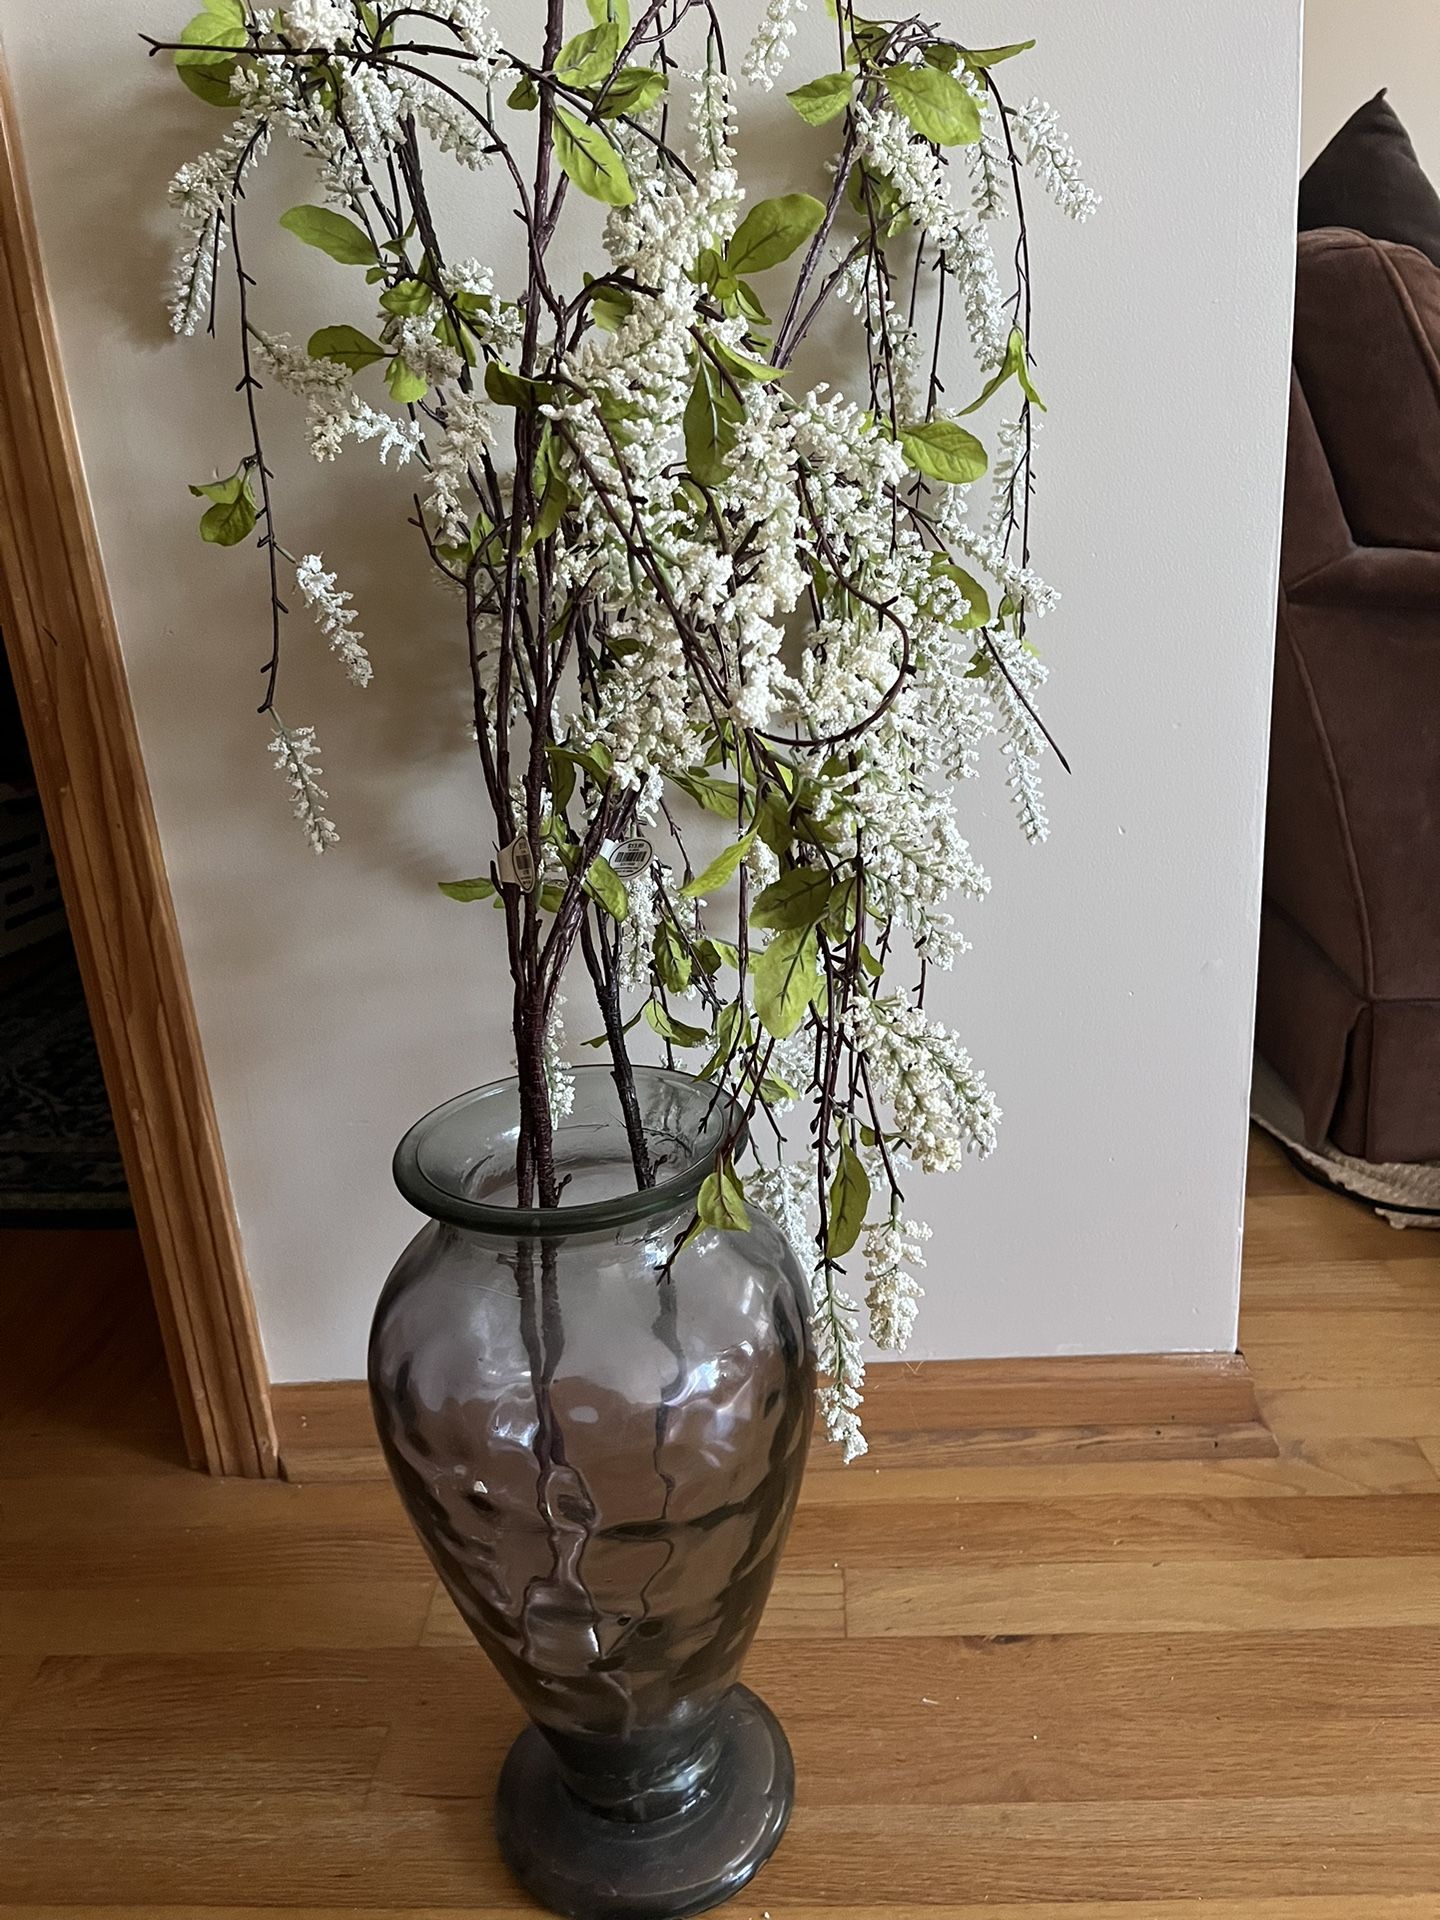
x,y
444,1201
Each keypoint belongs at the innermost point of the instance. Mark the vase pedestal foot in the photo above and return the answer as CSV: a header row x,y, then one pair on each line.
x,y
580,1863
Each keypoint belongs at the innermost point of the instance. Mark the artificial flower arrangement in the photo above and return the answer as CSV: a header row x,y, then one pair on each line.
x,y
687,578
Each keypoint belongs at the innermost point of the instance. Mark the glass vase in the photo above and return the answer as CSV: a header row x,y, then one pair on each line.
x,y
600,1439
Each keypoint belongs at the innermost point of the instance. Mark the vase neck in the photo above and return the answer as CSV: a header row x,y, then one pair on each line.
x,y
459,1163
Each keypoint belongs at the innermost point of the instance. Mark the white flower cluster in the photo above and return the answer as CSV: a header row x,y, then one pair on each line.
x,y
559,1074
454,449
335,617
859,289
891,670
497,324
335,413
269,87
989,174
294,752
637,929
769,50
622,426
1020,582
892,1293
836,1326
200,192
942,1106
1015,677
786,1193
1051,159
319,23
917,173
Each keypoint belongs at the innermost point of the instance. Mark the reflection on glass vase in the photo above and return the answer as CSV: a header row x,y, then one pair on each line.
x,y
600,1444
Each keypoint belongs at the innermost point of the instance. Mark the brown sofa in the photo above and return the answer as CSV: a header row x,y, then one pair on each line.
x,y
1349,998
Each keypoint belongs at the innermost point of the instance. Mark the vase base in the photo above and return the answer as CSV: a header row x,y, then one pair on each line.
x,y
579,1863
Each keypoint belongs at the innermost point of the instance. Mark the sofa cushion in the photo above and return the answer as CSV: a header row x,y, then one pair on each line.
x,y
1367,356
1370,180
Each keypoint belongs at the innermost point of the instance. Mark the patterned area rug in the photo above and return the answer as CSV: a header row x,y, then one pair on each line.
x,y
58,1153
1407,1194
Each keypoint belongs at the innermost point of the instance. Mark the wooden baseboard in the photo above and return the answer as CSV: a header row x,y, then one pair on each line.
x,y
1168,1406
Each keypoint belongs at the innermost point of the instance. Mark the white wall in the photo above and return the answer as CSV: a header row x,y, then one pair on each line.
x,y
1351,52
1109,993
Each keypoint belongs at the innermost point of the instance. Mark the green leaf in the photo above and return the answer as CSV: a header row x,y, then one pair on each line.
x,y
207,39
347,346
715,796
210,83
721,869
509,389
714,954
849,1203
332,233
979,614
983,57
675,1031
722,1200
632,90
786,979
797,899
712,414
554,498
672,957
591,162
616,10
772,230
742,367
589,58
232,517
944,451
406,296
774,824
467,889
610,305
231,12
406,386
935,104
605,885
1015,366
524,95
821,100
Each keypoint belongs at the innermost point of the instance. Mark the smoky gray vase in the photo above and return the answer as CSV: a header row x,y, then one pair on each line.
x,y
600,1443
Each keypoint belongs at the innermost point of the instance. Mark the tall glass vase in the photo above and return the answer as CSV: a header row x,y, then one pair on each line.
x,y
600,1442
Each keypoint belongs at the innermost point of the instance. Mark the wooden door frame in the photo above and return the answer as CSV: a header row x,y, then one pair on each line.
x,y
74,698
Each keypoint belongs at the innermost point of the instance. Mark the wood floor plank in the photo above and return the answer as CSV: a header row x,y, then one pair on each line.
x,y
1349,1465
176,1529
16,1676
1383,1347
1360,1845
154,1618
1175,1597
1351,1412
958,1534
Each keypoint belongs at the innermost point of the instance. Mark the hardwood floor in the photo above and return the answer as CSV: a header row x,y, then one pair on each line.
x,y
1085,1691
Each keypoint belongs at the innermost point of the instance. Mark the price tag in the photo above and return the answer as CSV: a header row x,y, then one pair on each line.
x,y
517,864
630,857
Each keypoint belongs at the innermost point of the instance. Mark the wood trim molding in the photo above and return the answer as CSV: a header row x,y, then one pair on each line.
x,y
70,676
953,1413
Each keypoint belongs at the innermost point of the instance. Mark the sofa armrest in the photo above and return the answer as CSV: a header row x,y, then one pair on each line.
x,y
1379,578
